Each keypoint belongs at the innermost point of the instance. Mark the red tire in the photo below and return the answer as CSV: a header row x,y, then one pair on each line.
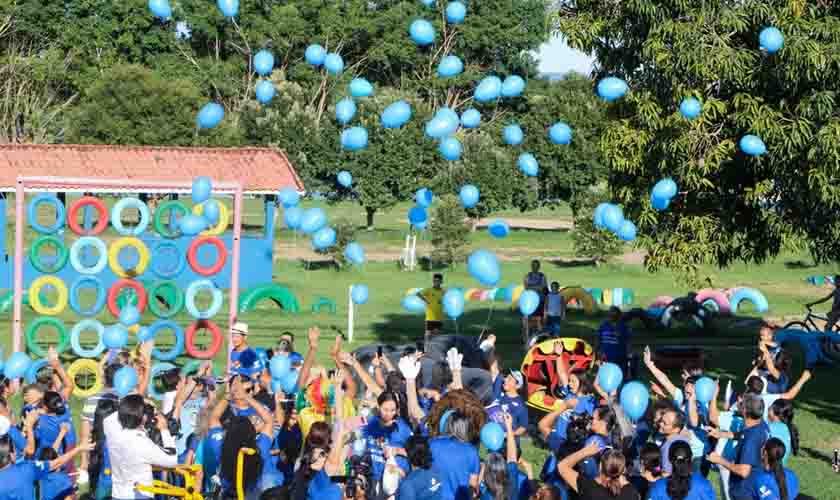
x,y
114,292
190,339
192,255
73,222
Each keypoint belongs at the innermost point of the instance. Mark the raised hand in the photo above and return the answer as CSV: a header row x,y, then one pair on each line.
x,y
409,367
454,358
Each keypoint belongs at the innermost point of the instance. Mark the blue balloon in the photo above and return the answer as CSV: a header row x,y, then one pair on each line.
x,y
323,238
228,7
513,135
129,315
440,127
276,385
279,366
469,195
610,377
690,107
528,302
345,110
360,87
262,355
422,225
528,165
201,188
498,228
493,436
413,304
424,197
771,40
265,91
292,217
345,179
484,267
359,294
456,12
396,114
560,133
289,381
125,381
211,211
612,88
144,334
191,225
333,63
453,303
354,138
513,86
417,215
659,203
17,365
450,66
315,54
115,337
612,217
665,188
289,197
752,145
634,399
627,231
210,115
471,118
488,89
448,114
704,389
450,148
313,220
422,32
598,215
354,253
263,62
160,9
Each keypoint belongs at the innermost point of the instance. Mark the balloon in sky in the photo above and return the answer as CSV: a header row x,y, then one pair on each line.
x,y
498,228
211,211
471,118
448,114
17,365
424,197
115,337
771,40
279,366
665,188
441,126
396,115
492,436
413,304
289,381
456,12
333,63
612,88
613,217
323,238
484,267
289,197
450,148
191,225
129,315
292,217
453,303
528,302
417,215
360,87
690,107
313,220
704,389
265,91
210,115
528,165
359,294
634,399
560,133
125,380
658,203
355,253
513,86
468,195
201,188
345,179
598,215
354,138
315,55
450,66
228,7
752,145
488,89
513,135
345,110
627,231
263,62
160,9
609,377
422,32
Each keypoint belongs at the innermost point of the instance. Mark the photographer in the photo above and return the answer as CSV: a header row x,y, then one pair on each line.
x,y
132,451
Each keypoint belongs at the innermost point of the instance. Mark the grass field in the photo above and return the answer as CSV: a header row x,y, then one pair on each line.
x,y
382,320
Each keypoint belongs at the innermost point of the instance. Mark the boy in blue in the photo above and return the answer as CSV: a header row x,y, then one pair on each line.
x,y
506,389
422,483
613,338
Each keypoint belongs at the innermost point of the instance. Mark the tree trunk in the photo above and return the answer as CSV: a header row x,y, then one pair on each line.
x,y
370,211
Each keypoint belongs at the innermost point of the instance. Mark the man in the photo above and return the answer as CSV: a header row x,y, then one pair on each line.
x,y
834,296
613,339
670,425
239,339
131,450
433,297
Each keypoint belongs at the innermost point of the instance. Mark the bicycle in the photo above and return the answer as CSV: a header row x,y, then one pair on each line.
x,y
809,325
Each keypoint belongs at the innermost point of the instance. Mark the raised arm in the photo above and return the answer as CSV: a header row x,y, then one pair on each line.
x,y
714,412
66,381
145,372
794,391
410,369
824,299
659,375
566,467
70,455
454,358
218,411
29,429
335,463
546,424
511,438
560,364
372,386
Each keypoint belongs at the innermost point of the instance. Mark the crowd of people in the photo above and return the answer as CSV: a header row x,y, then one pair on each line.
x,y
381,429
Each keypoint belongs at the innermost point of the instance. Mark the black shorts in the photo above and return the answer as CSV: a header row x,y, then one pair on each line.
x,y
434,325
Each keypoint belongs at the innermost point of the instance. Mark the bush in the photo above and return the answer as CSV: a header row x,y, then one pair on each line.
x,y
345,232
597,244
450,231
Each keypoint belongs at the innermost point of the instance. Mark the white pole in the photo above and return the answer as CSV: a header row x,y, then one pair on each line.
x,y
413,252
350,313
405,254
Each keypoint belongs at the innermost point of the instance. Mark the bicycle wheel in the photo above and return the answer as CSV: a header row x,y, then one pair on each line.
x,y
797,325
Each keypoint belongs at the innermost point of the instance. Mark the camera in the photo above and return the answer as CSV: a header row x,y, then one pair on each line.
x,y
150,412
361,469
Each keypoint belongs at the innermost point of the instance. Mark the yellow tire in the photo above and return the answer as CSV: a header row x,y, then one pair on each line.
x,y
35,296
114,254
583,298
224,219
85,366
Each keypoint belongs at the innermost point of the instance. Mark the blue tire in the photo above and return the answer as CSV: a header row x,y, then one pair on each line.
x,y
157,369
177,349
32,213
98,304
76,343
758,300
192,291
116,213
158,251
34,368
76,258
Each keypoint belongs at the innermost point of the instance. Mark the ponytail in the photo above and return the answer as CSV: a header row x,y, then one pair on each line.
x,y
612,469
774,448
679,483
783,408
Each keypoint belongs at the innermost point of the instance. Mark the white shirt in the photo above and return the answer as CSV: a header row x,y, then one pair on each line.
x,y
132,456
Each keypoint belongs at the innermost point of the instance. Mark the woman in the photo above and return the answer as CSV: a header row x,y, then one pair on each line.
x,y
682,484
605,434
781,425
610,482
388,430
455,459
775,482
500,478
650,465
240,434
17,479
422,483
49,424
536,281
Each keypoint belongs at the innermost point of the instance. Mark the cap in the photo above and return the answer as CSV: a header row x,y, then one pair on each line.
x,y
517,375
240,328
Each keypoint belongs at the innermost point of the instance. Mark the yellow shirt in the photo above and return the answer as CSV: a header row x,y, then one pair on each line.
x,y
434,303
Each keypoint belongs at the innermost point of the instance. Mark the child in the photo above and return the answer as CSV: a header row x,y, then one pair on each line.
x,y
555,311
57,484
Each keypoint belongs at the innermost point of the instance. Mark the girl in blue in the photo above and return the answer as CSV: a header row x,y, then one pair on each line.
x,y
17,479
682,484
57,485
387,430
775,482
501,477
54,417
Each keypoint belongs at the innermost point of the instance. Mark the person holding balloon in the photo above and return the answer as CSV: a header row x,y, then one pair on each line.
x,y
537,282
500,476
610,481
506,389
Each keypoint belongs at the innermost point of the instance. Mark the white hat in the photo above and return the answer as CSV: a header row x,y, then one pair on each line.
x,y
240,328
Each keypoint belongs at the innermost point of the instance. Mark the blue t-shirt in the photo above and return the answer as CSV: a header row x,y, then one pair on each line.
x,y
518,487
700,489
764,486
454,461
777,387
781,431
18,439
47,429
613,340
57,485
749,452
515,406
378,437
322,488
212,452
421,484
585,405
17,481
589,466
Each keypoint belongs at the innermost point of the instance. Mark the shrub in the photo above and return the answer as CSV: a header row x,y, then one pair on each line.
x,y
450,231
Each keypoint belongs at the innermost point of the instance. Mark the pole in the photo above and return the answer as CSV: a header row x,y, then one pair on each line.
x,y
18,292
234,267
350,313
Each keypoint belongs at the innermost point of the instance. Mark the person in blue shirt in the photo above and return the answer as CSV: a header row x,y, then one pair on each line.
x,y
682,484
387,430
54,416
455,459
17,479
613,339
774,481
500,477
422,483
506,387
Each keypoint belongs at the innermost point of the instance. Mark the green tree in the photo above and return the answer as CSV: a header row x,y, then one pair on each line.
x,y
345,232
599,245
450,232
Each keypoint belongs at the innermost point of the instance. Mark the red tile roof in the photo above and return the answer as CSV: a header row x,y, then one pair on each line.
x,y
260,170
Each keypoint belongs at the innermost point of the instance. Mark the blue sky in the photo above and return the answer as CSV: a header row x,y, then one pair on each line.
x,y
557,57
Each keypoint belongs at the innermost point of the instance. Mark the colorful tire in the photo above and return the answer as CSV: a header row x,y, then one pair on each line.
x,y
582,297
72,216
758,300
76,340
31,376
114,254
32,213
85,365
716,296
74,296
192,255
224,219
116,214
158,251
662,301
35,254
177,294
168,206
35,296
177,349
214,346
192,291
114,292
76,260
157,369
32,334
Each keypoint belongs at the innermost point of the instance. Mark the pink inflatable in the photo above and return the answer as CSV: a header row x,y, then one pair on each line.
x,y
719,296
662,301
